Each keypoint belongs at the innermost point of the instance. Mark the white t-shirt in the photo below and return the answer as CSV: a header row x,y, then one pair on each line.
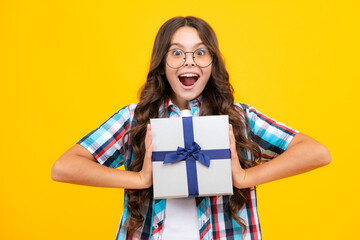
x,y
181,220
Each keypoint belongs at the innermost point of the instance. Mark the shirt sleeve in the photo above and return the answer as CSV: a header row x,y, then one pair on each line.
x,y
105,142
273,137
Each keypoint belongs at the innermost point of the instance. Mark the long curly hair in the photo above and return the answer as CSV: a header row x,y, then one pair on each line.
x,y
217,99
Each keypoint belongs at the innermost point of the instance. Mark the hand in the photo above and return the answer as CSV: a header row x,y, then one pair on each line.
x,y
238,173
146,172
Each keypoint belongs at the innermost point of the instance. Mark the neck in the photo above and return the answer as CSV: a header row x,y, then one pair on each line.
x,y
181,103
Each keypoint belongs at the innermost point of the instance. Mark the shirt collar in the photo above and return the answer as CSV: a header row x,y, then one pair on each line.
x,y
194,105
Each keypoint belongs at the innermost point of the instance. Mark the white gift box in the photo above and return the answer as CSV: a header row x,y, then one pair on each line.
x,y
189,177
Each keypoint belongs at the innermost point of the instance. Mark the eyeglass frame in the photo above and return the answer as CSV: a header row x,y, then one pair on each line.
x,y
193,57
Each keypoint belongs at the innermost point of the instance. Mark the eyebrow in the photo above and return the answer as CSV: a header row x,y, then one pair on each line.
x,y
180,45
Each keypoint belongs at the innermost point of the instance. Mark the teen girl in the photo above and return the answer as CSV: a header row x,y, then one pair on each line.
x,y
188,76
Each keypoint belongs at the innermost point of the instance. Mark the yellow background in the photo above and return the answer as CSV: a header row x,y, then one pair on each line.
x,y
67,66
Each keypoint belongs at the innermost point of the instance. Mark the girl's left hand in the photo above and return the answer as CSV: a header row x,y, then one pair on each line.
x,y
238,173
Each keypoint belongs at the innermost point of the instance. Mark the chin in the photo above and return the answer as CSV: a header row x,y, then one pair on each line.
x,y
190,97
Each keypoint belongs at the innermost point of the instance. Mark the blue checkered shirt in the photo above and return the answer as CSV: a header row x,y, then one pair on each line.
x,y
214,219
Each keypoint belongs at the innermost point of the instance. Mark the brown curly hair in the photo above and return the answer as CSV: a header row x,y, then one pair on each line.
x,y
217,99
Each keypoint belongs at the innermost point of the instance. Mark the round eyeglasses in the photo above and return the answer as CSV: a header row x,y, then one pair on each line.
x,y
176,58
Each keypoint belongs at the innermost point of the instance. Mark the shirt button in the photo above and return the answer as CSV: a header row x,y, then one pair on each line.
x,y
156,226
203,221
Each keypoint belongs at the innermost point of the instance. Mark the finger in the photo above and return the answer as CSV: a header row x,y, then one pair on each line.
x,y
232,142
148,136
232,137
147,165
148,153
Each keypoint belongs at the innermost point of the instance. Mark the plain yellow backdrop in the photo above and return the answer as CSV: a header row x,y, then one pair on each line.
x,y
67,66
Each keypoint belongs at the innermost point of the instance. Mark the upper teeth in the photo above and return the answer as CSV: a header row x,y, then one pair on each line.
x,y
188,75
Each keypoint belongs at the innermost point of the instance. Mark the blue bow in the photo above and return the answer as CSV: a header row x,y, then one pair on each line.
x,y
193,153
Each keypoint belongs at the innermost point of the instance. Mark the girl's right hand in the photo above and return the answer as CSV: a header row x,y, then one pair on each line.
x,y
146,172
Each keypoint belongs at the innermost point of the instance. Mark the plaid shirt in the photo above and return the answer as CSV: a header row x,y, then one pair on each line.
x,y
214,217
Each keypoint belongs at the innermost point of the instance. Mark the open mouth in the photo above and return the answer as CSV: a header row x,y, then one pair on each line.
x,y
188,79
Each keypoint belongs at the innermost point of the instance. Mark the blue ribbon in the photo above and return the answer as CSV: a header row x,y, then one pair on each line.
x,y
190,154
184,154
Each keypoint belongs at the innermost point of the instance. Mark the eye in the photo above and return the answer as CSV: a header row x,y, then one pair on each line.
x,y
201,52
176,52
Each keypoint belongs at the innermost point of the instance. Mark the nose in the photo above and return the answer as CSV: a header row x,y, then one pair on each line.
x,y
191,61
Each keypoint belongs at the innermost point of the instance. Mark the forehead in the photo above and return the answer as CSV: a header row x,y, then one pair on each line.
x,y
186,37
